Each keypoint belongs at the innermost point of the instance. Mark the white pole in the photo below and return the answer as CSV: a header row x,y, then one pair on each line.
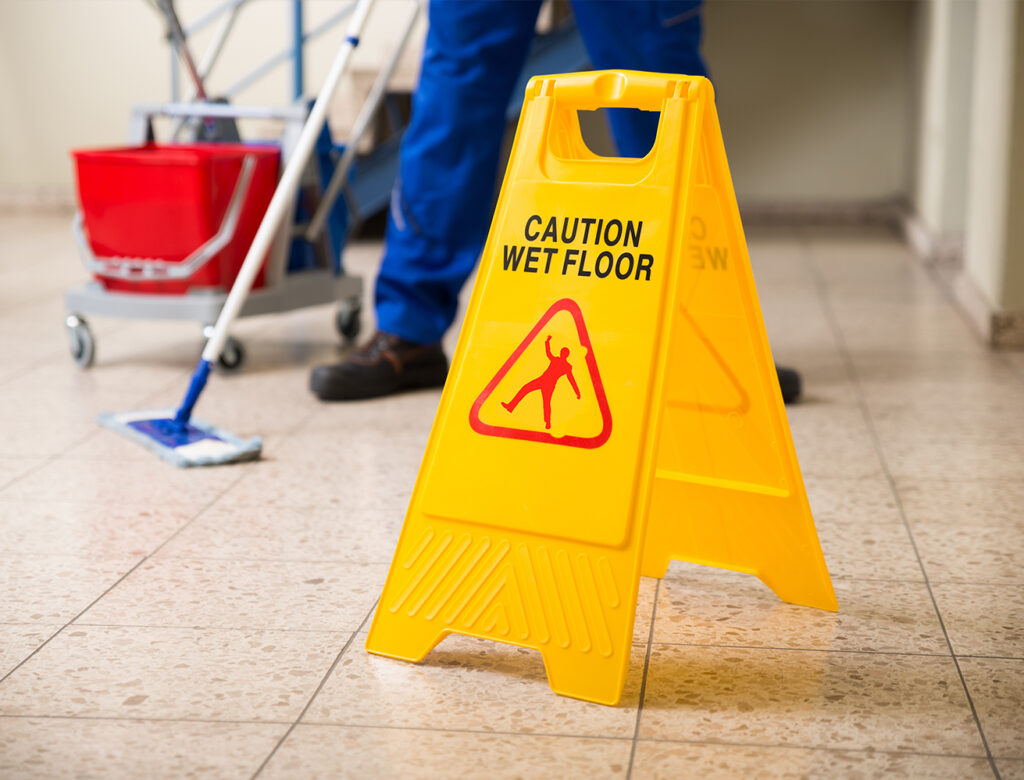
x,y
284,196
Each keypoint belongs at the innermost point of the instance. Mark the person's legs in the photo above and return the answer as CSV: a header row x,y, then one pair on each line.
x,y
441,203
662,36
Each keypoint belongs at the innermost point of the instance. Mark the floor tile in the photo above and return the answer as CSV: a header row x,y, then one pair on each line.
x,y
171,673
948,392
351,752
251,402
884,327
40,439
280,595
670,760
54,588
824,375
968,419
728,608
1011,769
983,619
644,609
30,398
869,551
18,641
249,532
1016,362
807,699
280,545
76,748
94,530
962,503
126,361
468,683
833,441
151,481
14,468
335,472
997,689
934,458
855,501
971,553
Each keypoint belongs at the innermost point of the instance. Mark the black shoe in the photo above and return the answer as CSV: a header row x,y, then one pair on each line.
x,y
384,365
790,383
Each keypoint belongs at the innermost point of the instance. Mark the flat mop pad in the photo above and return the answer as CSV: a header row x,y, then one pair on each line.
x,y
195,444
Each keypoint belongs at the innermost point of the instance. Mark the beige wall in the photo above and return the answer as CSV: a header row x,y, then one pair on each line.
x,y
815,97
994,250
70,70
940,191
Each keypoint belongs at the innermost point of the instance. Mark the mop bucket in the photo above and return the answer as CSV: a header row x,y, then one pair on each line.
x,y
167,219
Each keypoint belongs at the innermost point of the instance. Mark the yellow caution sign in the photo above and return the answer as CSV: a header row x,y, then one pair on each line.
x,y
612,403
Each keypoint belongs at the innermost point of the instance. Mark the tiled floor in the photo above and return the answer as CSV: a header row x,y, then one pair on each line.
x,y
164,623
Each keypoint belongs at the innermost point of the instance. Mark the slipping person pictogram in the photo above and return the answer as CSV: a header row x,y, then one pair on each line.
x,y
557,368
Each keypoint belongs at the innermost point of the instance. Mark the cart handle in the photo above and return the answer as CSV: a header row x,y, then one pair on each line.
x,y
150,268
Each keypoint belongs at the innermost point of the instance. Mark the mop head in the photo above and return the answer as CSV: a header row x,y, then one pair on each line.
x,y
195,444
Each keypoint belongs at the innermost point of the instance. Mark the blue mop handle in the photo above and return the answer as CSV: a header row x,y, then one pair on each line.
x,y
195,387
280,206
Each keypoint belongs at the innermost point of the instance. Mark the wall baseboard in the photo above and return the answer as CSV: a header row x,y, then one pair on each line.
x,y
944,255
887,212
36,200
998,329
932,248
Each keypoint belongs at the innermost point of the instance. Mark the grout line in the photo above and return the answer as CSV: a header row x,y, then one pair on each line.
x,y
1019,373
507,733
822,748
479,732
76,443
323,681
56,633
242,473
946,291
643,682
239,559
851,371
805,649
249,629
120,718
118,582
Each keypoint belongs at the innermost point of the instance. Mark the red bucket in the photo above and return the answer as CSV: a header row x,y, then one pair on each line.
x,y
163,202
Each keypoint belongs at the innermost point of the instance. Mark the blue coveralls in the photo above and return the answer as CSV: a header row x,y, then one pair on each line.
x,y
475,50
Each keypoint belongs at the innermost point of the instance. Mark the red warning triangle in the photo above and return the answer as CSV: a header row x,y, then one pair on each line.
x,y
559,368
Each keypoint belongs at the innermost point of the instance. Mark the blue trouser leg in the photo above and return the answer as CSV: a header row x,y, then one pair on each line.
x,y
441,204
661,36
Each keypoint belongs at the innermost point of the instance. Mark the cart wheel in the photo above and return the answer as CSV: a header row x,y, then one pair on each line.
x,y
347,319
233,355
81,341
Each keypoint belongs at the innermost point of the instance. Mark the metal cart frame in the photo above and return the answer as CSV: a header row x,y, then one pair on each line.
x,y
282,290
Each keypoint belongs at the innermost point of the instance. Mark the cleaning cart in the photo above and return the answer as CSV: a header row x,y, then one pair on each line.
x,y
163,227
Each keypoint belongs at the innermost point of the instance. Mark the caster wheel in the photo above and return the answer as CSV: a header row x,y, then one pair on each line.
x,y
80,340
233,355
347,319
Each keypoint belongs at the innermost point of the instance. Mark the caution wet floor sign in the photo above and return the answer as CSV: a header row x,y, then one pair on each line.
x,y
611,405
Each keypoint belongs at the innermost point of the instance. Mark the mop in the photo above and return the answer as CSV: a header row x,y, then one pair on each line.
x,y
174,434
